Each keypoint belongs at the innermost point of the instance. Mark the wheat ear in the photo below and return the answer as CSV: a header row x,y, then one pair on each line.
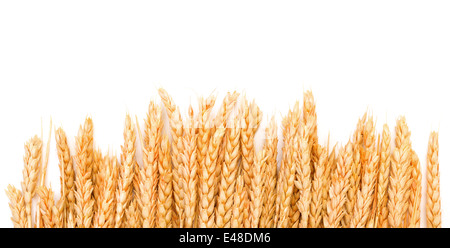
x,y
66,169
302,159
270,176
176,130
208,180
383,178
58,213
399,176
228,176
310,119
330,166
318,183
84,202
189,174
433,183
222,116
45,205
339,186
285,185
416,193
256,191
126,172
32,161
133,215
97,177
106,204
17,206
165,190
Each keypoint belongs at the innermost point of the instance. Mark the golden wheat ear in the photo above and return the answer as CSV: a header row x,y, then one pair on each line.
x,y
433,183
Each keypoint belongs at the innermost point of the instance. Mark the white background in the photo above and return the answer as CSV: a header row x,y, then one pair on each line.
x,y
107,58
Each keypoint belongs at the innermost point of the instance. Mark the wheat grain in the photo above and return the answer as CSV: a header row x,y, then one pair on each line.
x,y
433,204
17,206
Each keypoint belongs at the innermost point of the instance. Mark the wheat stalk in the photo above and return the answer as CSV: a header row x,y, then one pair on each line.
x,y
270,176
32,160
208,180
176,130
416,192
165,190
17,206
126,172
228,176
433,183
339,186
383,178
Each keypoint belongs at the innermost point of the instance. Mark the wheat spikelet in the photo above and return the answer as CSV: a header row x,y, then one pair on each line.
x,y
165,191
239,204
339,187
189,169
399,177
106,204
302,158
416,193
270,175
383,178
45,206
228,176
208,180
433,183
256,192
32,161
249,115
133,216
58,213
176,130
66,170
318,183
17,206
126,172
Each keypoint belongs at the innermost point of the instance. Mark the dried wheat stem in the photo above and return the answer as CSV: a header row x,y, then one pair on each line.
x,y
165,190
270,175
228,176
32,161
339,186
17,206
126,172
106,204
256,191
433,183
176,130
302,158
399,176
239,204
416,193
189,176
318,183
208,180
383,178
